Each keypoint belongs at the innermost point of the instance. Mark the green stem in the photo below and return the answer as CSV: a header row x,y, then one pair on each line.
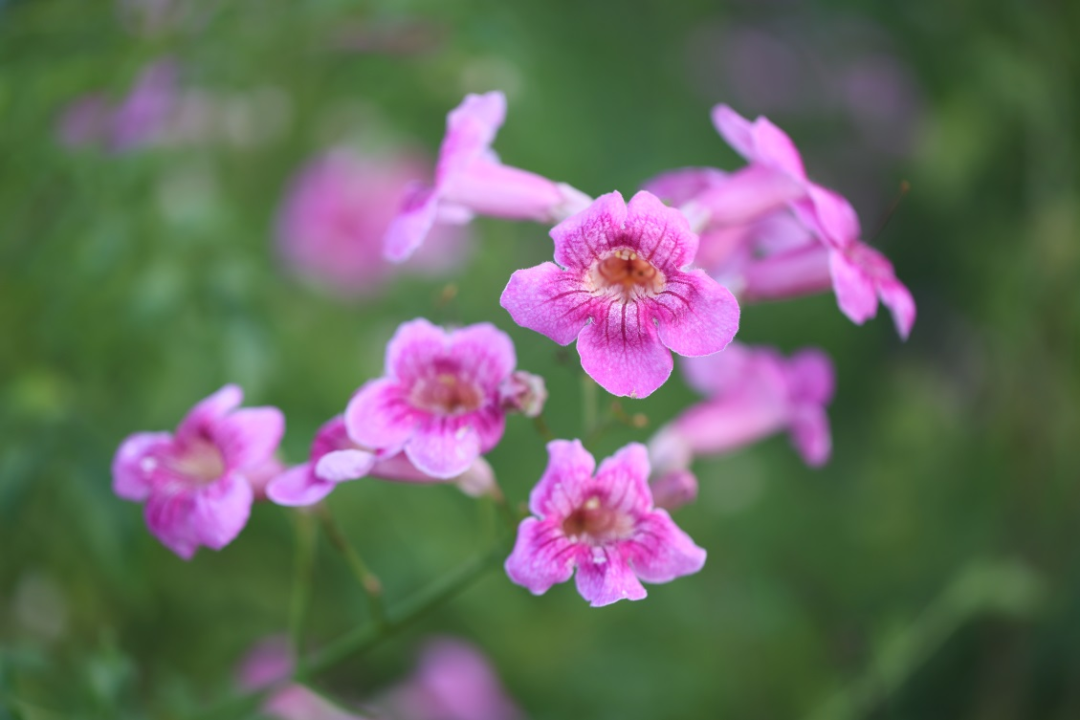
x,y
589,402
542,428
302,582
368,581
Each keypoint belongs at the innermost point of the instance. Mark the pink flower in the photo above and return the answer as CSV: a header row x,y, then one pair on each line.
x,y
470,179
196,482
604,525
860,274
439,400
674,489
331,226
142,117
525,393
623,289
335,458
752,394
453,681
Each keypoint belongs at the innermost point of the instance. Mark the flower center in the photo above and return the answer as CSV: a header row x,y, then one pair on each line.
x,y
201,461
627,274
447,394
595,524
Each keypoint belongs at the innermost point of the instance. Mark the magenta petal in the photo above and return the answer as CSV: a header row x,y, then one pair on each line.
x,y
792,273
207,412
719,373
379,415
470,129
622,352
570,467
735,129
661,552
811,376
624,480
855,292
810,434
749,194
169,519
549,300
900,303
131,479
415,348
248,437
490,188
660,234
773,147
412,224
542,556
582,238
682,185
341,465
222,510
834,216
487,354
697,315
604,577
298,487
444,447
674,489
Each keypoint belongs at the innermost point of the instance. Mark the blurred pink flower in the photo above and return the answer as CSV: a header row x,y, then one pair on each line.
x,y
605,525
624,290
335,458
453,681
470,179
337,210
195,482
440,398
753,392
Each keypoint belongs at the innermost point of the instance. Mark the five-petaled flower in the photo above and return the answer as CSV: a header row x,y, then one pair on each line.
x,y
605,525
440,399
470,179
623,288
195,482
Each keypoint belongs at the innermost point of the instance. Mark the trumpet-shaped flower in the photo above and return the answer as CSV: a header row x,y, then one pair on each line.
x,y
623,288
470,179
440,398
602,524
195,482
752,394
335,459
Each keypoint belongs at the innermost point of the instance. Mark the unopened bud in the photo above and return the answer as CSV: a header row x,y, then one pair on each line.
x,y
478,480
523,393
675,489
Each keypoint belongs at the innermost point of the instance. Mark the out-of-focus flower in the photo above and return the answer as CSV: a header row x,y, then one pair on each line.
x,y
85,121
752,393
623,289
143,116
195,483
331,226
439,400
674,489
453,681
470,179
270,663
604,525
335,458
524,393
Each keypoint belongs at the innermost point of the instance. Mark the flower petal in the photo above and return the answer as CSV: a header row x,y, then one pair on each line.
x,y
470,129
810,434
415,347
659,233
811,376
249,436
487,355
131,479
549,300
900,303
792,273
169,519
832,217
444,447
298,487
412,224
488,187
569,470
749,195
582,238
855,292
623,479
221,510
682,185
342,465
542,556
199,421
660,551
604,577
379,416
696,315
622,352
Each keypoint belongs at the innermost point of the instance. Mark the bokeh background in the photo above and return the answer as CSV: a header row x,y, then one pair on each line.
x,y
931,570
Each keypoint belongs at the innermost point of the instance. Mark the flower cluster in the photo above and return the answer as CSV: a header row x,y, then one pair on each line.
x,y
630,282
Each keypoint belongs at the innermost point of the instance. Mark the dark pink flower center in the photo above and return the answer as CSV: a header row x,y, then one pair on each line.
x,y
596,524
626,275
447,394
200,460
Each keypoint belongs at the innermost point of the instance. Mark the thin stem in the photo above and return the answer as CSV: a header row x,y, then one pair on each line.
x,y
302,582
542,428
363,639
368,581
588,405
